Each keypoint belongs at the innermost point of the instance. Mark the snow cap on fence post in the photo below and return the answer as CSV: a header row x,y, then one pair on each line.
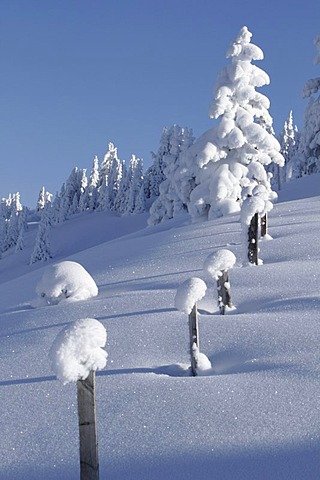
x,y
218,262
189,293
78,350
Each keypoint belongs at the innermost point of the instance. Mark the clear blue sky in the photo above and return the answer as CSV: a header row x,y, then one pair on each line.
x,y
77,74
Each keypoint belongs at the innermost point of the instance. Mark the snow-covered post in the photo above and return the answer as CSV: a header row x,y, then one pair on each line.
x,y
216,265
76,354
89,461
194,338
188,294
254,206
264,225
253,238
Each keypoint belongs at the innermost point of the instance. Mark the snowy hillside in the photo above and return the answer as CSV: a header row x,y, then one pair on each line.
x,y
255,416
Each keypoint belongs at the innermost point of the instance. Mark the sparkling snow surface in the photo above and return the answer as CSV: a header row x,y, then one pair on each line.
x,y
255,415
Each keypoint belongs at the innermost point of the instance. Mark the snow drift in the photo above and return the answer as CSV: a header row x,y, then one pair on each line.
x,y
66,281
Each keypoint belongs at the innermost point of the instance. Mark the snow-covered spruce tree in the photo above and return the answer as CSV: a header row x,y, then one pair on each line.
x,y
174,191
134,202
70,193
109,179
120,202
3,233
22,226
56,205
5,212
289,144
82,204
309,145
43,198
103,196
220,158
155,175
89,189
13,229
114,182
106,164
42,248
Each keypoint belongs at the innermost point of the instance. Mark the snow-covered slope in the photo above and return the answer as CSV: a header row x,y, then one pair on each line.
x,y
256,416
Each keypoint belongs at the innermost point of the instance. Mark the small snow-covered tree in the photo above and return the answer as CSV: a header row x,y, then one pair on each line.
x,y
155,175
289,144
103,196
5,212
110,179
135,179
289,140
89,197
114,182
3,230
70,193
106,164
22,226
82,206
175,189
220,158
13,222
309,146
43,198
120,202
42,249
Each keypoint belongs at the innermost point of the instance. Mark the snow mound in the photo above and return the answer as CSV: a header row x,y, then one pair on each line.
x,y
219,261
188,293
66,280
202,361
78,349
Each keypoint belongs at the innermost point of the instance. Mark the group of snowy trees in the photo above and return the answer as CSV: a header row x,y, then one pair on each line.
x,y
225,165
301,150
309,145
111,187
238,159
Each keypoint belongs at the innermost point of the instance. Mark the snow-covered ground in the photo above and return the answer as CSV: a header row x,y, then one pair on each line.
x,y
256,415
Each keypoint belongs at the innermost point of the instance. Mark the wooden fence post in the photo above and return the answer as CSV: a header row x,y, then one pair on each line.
x,y
194,338
89,463
264,225
224,296
253,239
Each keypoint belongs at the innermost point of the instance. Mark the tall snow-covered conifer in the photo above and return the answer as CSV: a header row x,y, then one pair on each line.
x,y
220,158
